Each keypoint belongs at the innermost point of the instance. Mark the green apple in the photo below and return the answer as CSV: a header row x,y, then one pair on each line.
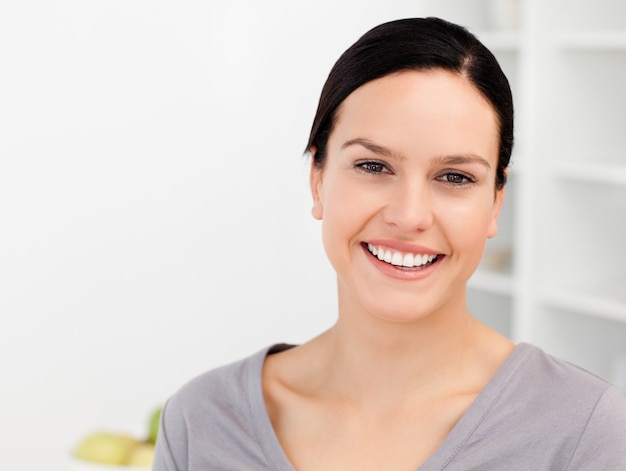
x,y
153,426
104,447
142,455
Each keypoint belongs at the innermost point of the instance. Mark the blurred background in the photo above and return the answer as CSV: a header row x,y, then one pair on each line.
x,y
155,214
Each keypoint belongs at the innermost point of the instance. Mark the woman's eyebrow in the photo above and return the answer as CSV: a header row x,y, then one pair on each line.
x,y
462,159
375,148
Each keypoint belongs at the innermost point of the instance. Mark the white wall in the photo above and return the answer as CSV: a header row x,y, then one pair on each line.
x,y
154,210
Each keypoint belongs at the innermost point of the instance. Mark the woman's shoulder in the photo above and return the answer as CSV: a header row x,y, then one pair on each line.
x,y
219,415
224,383
552,391
568,400
571,418
226,387
546,372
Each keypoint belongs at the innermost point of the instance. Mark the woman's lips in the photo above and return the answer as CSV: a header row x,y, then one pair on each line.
x,y
400,258
405,265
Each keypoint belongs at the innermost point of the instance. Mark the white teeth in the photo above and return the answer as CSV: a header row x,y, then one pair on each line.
x,y
400,259
396,259
408,260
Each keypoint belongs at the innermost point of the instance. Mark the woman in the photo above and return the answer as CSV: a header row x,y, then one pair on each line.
x,y
410,148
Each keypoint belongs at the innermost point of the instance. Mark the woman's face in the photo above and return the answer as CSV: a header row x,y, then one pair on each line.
x,y
407,194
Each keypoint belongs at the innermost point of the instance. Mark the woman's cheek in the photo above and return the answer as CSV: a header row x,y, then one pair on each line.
x,y
465,222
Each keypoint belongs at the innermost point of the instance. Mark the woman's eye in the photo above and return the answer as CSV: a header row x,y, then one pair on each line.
x,y
372,167
457,179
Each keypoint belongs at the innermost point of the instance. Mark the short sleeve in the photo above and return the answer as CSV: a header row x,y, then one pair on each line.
x,y
603,442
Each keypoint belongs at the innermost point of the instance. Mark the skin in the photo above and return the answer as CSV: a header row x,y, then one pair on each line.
x,y
411,165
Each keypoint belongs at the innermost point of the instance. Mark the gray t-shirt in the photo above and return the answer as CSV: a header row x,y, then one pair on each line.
x,y
537,413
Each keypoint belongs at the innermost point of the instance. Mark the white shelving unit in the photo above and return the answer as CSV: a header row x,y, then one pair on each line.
x,y
556,273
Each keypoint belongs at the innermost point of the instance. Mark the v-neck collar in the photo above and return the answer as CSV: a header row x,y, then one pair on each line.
x,y
446,452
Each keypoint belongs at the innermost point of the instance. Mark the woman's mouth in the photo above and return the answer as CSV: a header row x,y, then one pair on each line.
x,y
402,260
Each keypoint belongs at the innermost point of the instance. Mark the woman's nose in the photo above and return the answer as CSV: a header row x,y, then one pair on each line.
x,y
409,208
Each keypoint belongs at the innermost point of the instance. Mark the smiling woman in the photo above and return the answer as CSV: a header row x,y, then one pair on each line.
x,y
421,181
410,148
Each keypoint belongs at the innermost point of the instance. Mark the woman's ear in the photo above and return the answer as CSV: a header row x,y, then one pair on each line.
x,y
315,180
497,206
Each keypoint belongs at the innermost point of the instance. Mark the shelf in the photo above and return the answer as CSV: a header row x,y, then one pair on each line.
x,y
612,174
612,308
492,282
592,41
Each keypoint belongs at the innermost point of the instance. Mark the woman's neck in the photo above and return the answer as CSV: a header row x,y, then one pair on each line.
x,y
364,358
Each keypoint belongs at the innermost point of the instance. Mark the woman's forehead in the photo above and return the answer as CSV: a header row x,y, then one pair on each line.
x,y
435,106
